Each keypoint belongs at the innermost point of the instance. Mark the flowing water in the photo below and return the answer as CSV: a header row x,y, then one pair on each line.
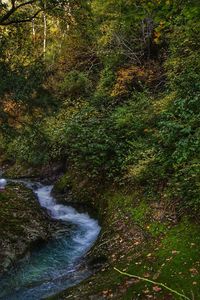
x,y
56,265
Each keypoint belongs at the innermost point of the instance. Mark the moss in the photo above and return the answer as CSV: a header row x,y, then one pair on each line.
x,y
136,243
157,228
131,204
173,261
139,213
179,256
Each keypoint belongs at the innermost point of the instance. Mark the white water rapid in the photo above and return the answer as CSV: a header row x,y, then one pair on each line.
x,y
88,227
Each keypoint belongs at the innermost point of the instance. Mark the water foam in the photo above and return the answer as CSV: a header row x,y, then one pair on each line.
x,y
88,228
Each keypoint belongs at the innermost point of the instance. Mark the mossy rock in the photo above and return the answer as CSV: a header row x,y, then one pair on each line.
x,y
19,170
23,223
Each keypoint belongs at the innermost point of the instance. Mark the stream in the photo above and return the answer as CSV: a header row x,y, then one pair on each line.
x,y
54,266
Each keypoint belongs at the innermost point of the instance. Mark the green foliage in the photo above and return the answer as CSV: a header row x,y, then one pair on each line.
x,y
92,143
27,147
179,135
101,97
116,96
63,184
76,83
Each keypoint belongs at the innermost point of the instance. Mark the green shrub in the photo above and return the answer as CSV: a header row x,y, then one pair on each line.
x,y
63,184
76,83
30,146
179,134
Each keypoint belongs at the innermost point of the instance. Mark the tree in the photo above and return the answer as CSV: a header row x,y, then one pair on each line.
x,y
14,11
20,11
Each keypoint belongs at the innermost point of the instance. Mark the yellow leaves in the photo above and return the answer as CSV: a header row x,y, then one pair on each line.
x,y
139,168
54,30
107,29
135,77
15,110
162,104
159,32
157,36
125,77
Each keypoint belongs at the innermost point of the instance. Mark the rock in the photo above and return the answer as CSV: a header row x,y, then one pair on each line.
x,y
23,223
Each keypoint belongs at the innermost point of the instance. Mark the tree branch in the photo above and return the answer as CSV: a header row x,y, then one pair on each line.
x,y
13,3
7,15
25,3
4,19
21,21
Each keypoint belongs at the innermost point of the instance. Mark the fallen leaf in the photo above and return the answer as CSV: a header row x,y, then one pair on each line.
x,y
175,252
136,243
156,288
147,275
194,271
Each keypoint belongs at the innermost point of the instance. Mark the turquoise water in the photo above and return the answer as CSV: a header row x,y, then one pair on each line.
x,y
58,264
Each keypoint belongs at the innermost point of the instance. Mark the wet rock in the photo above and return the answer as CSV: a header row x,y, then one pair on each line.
x,y
22,224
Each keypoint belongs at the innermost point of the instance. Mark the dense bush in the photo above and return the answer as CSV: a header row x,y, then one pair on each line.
x,y
179,134
76,83
30,146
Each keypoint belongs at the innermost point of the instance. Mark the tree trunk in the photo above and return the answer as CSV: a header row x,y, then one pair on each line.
x,y
45,33
33,30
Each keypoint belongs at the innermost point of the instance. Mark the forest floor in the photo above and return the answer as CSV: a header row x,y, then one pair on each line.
x,y
143,238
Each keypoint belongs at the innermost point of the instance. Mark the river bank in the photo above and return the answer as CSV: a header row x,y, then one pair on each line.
x,y
145,237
